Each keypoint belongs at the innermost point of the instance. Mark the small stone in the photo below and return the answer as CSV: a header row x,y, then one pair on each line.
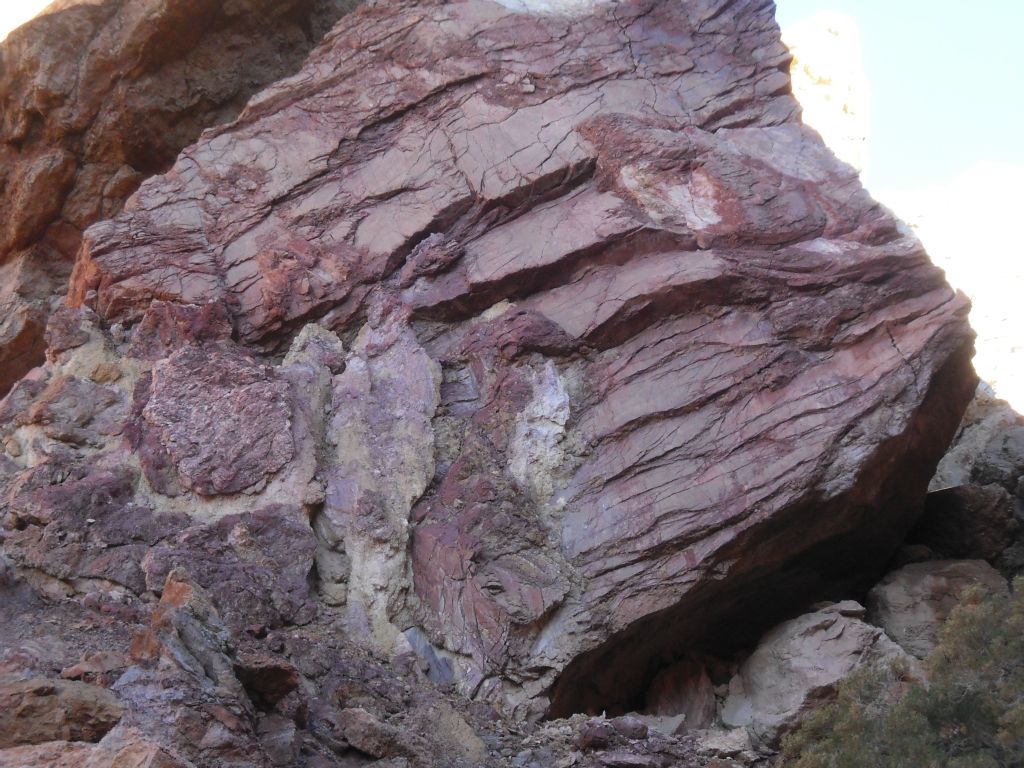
x,y
369,735
266,679
105,373
595,734
630,727
96,667
622,759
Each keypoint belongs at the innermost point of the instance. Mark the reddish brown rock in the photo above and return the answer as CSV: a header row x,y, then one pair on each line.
x,y
508,133
372,737
184,694
166,328
101,668
50,754
266,679
683,689
88,528
79,412
187,631
67,329
37,710
254,566
130,747
687,365
630,727
612,359
223,419
95,96
595,734
21,327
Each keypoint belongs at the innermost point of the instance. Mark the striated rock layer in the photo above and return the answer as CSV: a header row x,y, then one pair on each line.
x,y
96,96
548,345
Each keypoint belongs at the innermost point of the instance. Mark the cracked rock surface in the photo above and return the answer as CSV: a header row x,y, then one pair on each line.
x,y
493,362
96,96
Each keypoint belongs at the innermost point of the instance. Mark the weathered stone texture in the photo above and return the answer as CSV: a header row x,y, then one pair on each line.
x,y
912,602
95,97
223,418
797,664
680,345
536,349
36,710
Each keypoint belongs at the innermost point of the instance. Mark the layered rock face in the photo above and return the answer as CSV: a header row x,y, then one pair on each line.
x,y
97,96
541,342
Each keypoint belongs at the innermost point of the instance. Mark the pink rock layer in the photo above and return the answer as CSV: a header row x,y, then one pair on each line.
x,y
634,364
96,96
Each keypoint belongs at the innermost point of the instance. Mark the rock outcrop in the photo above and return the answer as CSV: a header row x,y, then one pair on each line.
x,y
529,348
796,666
37,710
675,347
975,508
912,602
95,97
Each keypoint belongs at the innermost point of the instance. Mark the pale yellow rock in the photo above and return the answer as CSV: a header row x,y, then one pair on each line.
x,y
105,373
382,440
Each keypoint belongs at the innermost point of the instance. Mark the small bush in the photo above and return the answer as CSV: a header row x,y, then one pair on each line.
x,y
970,713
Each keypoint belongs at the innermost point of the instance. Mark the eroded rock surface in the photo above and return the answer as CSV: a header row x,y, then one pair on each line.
x,y
37,710
796,666
679,345
222,418
526,350
912,602
95,97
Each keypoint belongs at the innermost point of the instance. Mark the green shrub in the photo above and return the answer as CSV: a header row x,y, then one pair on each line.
x,y
970,713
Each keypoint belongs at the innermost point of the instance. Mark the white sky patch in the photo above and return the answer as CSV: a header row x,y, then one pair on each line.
x,y
965,224
14,13
830,83
559,7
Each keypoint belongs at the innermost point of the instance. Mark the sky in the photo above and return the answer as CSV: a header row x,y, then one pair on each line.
x,y
947,83
14,13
